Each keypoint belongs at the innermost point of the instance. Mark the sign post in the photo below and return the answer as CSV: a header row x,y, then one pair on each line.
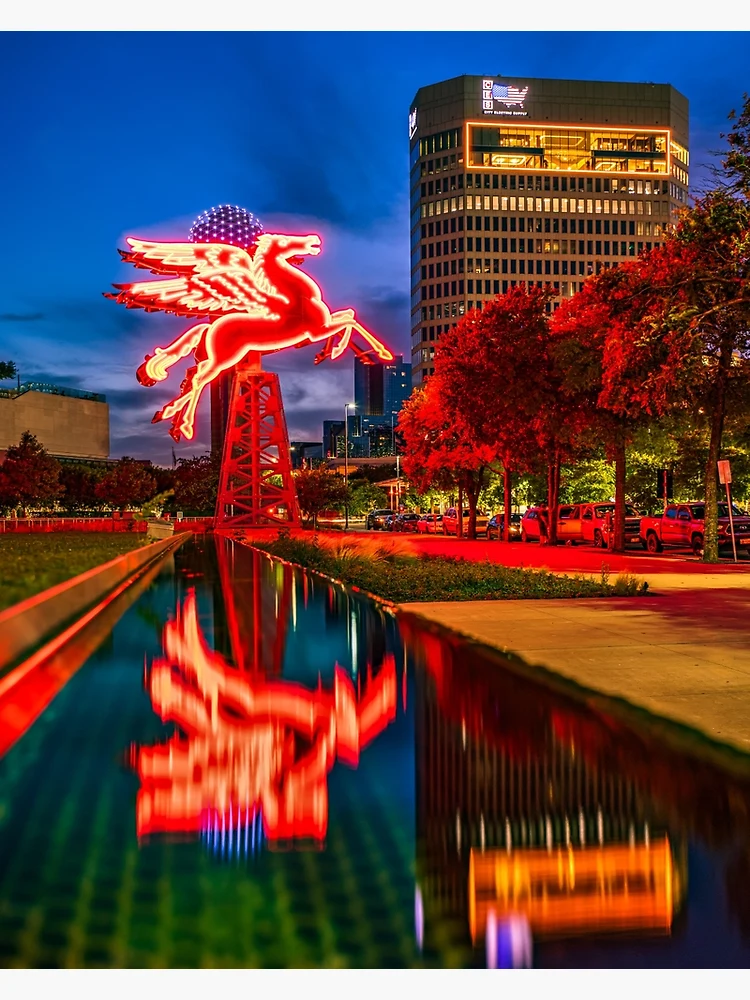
x,y
664,486
725,477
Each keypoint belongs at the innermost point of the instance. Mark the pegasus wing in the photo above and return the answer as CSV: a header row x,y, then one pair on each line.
x,y
185,258
208,279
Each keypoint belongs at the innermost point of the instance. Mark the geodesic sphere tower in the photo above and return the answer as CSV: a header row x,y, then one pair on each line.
x,y
227,224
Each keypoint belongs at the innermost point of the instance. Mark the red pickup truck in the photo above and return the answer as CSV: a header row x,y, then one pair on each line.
x,y
681,525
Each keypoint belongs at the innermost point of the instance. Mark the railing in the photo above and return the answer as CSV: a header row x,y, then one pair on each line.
x,y
55,390
27,525
35,524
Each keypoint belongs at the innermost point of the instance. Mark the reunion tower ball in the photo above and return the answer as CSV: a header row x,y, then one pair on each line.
x,y
227,224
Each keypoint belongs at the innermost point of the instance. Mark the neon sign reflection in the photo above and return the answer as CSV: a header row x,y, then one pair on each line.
x,y
248,750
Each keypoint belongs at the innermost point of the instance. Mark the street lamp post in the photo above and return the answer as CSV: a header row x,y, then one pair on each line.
x,y
394,413
346,462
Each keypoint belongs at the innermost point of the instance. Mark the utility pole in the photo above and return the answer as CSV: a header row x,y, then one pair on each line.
x,y
346,462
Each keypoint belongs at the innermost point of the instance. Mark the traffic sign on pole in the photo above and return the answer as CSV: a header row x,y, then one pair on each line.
x,y
725,477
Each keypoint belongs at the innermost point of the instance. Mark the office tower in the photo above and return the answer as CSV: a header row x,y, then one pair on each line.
x,y
380,391
333,438
533,181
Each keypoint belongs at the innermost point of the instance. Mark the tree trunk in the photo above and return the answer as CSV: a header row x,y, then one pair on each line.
x,y
711,524
553,492
460,519
473,489
506,502
618,542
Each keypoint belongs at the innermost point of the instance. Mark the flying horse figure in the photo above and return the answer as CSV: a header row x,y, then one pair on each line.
x,y
260,303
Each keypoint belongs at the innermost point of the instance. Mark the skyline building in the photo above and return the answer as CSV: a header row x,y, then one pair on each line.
x,y
380,391
519,180
304,454
333,438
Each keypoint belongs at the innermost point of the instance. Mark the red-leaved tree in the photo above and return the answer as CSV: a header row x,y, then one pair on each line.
x,y
128,484
580,330
29,476
681,342
494,375
437,450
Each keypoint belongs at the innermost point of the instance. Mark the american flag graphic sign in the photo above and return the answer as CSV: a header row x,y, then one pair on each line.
x,y
508,95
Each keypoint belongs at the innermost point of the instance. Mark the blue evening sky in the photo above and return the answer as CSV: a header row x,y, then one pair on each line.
x,y
112,134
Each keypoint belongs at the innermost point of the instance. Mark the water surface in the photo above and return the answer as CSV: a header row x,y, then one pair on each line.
x,y
257,768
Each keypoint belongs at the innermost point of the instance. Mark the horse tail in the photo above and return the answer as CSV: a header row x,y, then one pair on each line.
x,y
154,369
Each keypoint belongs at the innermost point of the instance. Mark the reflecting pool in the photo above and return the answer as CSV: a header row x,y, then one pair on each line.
x,y
254,767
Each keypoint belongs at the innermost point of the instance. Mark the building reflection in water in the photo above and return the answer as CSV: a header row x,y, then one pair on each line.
x,y
522,834
252,752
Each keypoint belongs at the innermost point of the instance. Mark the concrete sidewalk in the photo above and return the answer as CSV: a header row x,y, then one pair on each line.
x,y
683,655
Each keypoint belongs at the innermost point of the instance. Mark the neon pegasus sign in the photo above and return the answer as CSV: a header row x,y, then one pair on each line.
x,y
257,303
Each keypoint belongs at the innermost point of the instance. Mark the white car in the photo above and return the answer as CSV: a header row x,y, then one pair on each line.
x,y
450,522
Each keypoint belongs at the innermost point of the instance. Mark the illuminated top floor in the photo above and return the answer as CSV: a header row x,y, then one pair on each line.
x,y
556,125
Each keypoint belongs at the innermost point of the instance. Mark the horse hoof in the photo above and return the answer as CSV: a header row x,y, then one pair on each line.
x,y
157,417
175,434
142,375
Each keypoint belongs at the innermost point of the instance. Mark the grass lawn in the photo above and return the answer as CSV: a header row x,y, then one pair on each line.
x,y
34,562
404,578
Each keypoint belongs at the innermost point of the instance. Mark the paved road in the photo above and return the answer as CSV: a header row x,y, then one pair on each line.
x,y
564,558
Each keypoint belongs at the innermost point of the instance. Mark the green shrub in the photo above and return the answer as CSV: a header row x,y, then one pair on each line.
x,y
440,578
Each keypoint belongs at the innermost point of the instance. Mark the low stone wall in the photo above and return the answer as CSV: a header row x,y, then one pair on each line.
x,y
25,626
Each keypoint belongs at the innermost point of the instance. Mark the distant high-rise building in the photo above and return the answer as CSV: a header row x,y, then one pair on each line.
x,y
380,391
396,385
333,438
520,181
368,388
305,453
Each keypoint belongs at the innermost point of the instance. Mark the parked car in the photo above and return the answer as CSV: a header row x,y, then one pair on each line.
x,y
430,524
374,520
569,527
450,522
682,525
496,524
388,522
405,522
594,522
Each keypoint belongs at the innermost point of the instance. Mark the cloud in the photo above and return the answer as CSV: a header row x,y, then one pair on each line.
x,y
310,148
21,317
